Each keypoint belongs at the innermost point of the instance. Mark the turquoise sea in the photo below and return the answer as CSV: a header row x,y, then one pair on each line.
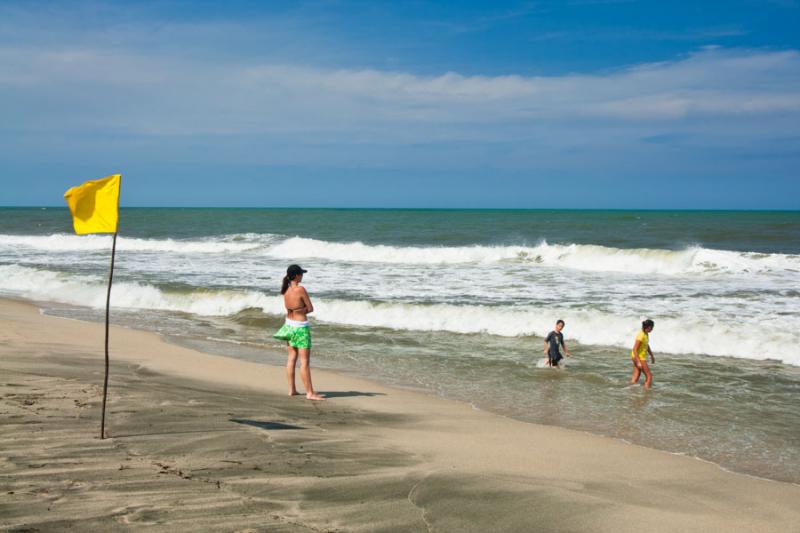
x,y
457,302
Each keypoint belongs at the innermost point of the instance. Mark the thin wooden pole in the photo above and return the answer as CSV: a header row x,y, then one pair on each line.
x,y
108,305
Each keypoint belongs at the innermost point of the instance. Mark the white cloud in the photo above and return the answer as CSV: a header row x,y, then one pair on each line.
x,y
254,112
210,97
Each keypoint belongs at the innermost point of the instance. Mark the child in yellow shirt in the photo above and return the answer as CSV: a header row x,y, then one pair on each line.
x,y
641,347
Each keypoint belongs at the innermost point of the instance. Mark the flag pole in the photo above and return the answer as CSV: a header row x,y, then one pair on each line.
x,y
94,207
108,305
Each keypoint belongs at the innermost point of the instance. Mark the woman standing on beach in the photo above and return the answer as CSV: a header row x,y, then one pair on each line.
x,y
296,331
641,347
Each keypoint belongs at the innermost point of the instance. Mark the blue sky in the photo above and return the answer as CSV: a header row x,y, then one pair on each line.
x,y
568,104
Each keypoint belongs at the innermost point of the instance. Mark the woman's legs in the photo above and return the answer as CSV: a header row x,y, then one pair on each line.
x,y
648,381
305,374
291,362
636,372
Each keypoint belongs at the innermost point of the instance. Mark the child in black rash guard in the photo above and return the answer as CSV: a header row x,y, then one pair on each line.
x,y
553,344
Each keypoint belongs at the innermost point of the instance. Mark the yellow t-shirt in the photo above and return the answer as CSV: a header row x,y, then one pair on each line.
x,y
644,340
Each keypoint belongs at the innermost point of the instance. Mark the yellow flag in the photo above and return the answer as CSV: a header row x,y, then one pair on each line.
x,y
95,205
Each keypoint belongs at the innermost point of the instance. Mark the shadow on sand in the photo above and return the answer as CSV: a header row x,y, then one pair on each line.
x,y
158,434
264,425
346,393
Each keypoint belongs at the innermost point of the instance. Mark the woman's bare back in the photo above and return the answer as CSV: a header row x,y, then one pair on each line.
x,y
297,303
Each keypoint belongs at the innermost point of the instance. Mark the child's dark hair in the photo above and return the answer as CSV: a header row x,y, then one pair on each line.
x,y
559,321
648,324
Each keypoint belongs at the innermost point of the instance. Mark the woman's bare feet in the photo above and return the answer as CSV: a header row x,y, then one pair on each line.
x,y
293,393
315,397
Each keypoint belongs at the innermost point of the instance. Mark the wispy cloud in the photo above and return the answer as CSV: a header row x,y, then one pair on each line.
x,y
640,34
155,93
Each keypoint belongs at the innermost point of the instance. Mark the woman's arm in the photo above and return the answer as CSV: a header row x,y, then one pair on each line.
x,y
306,299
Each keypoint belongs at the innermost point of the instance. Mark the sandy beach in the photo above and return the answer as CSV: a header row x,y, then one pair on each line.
x,y
206,443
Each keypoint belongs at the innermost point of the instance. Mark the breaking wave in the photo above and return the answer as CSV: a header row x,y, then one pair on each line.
x,y
593,258
573,256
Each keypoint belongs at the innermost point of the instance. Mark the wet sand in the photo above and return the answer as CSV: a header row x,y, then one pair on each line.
x,y
206,443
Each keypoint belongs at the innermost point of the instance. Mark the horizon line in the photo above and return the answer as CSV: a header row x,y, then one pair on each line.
x,y
720,209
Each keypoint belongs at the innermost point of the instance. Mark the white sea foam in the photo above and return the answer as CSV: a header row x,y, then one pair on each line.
x,y
678,334
90,243
591,258
91,291
573,256
674,335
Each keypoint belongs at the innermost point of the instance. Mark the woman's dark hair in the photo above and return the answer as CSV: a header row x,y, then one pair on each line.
x,y
648,324
287,279
285,285
559,321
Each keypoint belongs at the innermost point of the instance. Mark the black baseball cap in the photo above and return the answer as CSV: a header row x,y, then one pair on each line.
x,y
295,270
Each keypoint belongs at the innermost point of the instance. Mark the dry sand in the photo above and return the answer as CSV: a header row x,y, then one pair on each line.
x,y
206,443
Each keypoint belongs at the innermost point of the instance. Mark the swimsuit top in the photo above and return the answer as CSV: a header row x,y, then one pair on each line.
x,y
290,309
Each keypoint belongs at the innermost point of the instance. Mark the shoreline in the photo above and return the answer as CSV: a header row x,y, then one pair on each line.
x,y
443,460
216,347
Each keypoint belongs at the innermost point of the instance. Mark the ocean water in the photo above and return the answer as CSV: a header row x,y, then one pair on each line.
x,y
457,303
